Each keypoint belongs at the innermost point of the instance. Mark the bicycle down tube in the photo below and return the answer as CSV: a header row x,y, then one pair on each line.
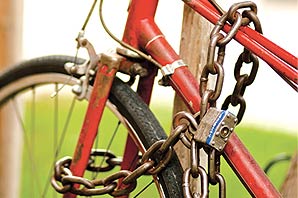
x,y
142,32
102,85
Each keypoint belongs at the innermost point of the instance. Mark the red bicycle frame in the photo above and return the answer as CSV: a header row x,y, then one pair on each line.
x,y
142,32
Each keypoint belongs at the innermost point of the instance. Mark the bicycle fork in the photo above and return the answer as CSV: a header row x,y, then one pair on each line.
x,y
107,68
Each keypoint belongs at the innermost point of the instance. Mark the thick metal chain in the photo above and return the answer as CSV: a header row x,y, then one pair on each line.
x,y
63,180
214,66
108,157
243,80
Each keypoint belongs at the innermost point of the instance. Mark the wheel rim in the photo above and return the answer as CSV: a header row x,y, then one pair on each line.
x,y
29,83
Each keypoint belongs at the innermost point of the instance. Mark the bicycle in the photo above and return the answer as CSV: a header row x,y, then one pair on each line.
x,y
95,81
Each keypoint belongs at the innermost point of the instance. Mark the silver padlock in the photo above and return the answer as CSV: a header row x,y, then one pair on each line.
x,y
215,128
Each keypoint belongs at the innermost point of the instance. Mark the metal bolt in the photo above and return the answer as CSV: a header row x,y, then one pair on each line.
x,y
92,72
84,42
70,67
77,89
224,132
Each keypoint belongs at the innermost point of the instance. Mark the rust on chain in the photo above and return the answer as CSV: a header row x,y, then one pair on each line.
x,y
252,16
101,191
219,82
205,103
154,160
214,66
211,53
61,169
187,118
173,138
222,185
239,64
186,186
165,158
108,158
243,80
116,176
141,170
71,180
239,100
217,39
194,159
186,124
213,166
237,6
234,29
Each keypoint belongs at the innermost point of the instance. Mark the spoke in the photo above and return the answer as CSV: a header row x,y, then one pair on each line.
x,y
61,141
56,121
109,146
96,147
56,124
145,188
33,131
136,158
65,127
26,142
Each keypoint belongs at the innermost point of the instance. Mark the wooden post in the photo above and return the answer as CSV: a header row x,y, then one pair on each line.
x,y
193,50
10,42
289,187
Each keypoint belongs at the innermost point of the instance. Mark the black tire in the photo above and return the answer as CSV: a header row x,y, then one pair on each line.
x,y
125,99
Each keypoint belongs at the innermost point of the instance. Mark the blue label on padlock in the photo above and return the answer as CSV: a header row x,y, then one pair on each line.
x,y
219,119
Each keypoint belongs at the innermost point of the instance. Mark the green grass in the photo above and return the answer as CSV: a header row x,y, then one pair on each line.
x,y
264,145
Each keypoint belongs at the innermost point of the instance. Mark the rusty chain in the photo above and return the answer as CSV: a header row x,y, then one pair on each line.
x,y
246,57
214,66
185,125
109,158
63,181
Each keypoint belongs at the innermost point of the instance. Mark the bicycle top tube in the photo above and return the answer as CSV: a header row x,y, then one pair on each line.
x,y
141,13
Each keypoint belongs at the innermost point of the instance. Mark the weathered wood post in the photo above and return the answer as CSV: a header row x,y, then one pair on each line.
x,y
10,42
193,50
290,185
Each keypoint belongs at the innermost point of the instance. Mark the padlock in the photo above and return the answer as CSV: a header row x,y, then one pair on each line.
x,y
215,128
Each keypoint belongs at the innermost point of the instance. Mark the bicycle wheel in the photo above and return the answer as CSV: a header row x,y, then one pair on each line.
x,y
50,131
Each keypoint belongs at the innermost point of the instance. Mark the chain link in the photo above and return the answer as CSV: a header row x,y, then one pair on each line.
x,y
213,166
187,187
110,159
222,185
